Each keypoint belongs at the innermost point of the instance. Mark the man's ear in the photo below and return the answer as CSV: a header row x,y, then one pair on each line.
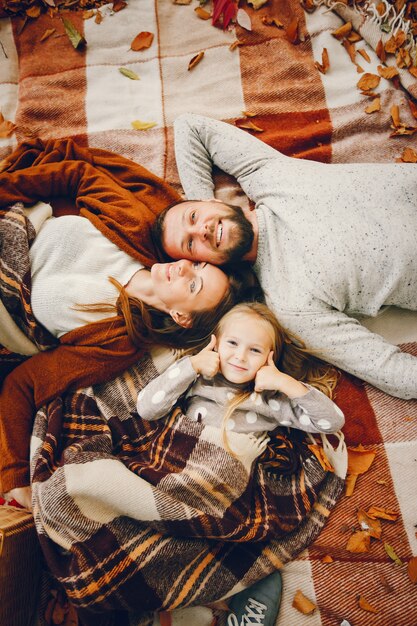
x,y
182,319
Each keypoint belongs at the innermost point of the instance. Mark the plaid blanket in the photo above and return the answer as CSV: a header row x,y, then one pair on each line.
x,y
47,88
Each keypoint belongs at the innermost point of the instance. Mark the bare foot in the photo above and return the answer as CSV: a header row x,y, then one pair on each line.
x,y
22,495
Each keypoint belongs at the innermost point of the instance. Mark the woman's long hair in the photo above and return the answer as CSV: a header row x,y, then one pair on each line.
x,y
147,325
290,356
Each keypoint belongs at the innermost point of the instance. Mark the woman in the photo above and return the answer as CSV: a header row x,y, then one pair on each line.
x,y
72,257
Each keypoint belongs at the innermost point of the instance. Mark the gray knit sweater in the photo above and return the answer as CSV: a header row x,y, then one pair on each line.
x,y
207,401
334,240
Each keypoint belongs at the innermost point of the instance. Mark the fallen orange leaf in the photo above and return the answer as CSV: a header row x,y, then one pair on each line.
x,y
118,5
413,71
364,604
272,21
86,15
372,525
202,13
321,457
368,81
33,11
6,127
395,115
343,31
359,542
377,511
327,559
248,125
412,569
195,60
365,55
235,44
354,37
387,72
325,63
359,459
374,106
142,41
303,604
292,31
408,156
350,49
380,51
47,33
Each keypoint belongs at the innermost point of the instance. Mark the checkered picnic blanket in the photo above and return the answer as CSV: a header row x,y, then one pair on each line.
x,y
49,89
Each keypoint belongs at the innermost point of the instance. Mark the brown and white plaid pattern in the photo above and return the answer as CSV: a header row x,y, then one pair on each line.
x,y
62,92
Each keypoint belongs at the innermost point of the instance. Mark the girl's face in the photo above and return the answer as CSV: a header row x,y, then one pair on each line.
x,y
243,347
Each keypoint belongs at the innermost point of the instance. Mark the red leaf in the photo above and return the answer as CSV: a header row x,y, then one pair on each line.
x,y
225,9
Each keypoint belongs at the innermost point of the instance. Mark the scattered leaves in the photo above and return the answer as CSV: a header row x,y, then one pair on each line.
x,y
412,569
128,73
47,33
142,41
202,13
248,125
7,128
139,125
364,604
343,31
74,36
368,81
392,554
325,63
303,604
374,106
359,542
372,525
195,60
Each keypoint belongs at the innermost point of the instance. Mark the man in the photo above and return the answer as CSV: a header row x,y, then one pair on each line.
x,y
327,241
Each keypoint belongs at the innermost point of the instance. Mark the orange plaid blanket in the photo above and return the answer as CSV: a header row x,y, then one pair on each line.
x,y
270,79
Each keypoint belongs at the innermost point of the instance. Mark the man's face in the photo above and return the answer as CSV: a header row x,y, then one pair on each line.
x,y
206,231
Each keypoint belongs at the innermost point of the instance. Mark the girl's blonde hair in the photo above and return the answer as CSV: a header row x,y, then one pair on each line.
x,y
290,356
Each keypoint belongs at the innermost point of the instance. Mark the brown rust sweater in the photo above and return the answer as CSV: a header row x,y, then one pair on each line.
x,y
121,199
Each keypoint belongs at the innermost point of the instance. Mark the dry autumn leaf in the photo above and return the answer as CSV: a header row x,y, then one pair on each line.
x,y
364,604
374,106
308,6
142,41
392,554
350,49
381,513
33,11
380,51
413,71
325,63
248,114
98,18
364,54
303,604
74,36
354,37
403,58
368,81
6,127
118,5
413,108
321,457
408,156
202,13
412,569
195,60
387,72
359,462
327,559
395,115
359,542
248,125
235,44
369,524
128,73
86,15
343,31
139,125
47,33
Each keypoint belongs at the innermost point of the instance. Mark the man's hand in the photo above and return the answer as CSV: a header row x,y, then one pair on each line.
x,y
207,361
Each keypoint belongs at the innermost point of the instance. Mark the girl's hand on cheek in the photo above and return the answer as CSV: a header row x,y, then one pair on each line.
x,y
207,361
268,376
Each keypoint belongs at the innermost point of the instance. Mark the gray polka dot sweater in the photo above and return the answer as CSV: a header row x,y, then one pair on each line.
x,y
335,240
207,401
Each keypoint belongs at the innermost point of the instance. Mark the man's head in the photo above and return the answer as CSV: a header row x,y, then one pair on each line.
x,y
204,230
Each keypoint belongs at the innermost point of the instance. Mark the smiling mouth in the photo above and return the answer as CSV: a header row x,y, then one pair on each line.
x,y
219,234
238,367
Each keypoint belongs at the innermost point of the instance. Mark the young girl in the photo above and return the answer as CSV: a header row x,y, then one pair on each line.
x,y
252,377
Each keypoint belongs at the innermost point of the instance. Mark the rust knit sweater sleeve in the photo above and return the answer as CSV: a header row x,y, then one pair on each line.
x,y
89,355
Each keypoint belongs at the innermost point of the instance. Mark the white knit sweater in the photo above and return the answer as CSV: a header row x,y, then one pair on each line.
x,y
334,240
71,262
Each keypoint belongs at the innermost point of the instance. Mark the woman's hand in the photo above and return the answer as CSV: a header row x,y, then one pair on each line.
x,y
269,378
207,361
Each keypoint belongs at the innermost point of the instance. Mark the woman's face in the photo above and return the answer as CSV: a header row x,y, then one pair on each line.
x,y
187,286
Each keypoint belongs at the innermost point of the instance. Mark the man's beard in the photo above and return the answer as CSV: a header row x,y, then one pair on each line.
x,y
244,231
